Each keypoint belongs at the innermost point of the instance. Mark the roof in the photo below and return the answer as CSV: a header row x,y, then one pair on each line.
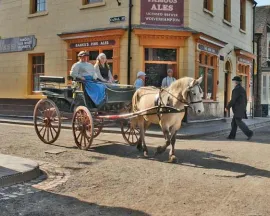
x,y
262,16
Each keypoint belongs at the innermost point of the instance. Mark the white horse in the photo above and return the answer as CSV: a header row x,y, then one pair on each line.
x,y
183,92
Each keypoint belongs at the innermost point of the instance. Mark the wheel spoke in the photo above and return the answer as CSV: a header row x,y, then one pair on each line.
x,y
48,134
81,139
77,138
44,133
41,129
54,129
51,133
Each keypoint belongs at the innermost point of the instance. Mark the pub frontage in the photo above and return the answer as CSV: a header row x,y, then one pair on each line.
x,y
162,36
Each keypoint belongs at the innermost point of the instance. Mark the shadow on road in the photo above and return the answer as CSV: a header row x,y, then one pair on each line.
x,y
49,204
187,157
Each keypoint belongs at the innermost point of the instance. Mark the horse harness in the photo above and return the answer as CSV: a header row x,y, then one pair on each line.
x,y
160,104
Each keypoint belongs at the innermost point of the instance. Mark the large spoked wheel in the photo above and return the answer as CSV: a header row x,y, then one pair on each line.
x,y
47,121
83,128
130,132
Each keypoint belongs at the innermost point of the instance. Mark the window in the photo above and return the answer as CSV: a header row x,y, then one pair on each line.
x,y
265,97
157,62
207,68
243,15
85,2
227,10
37,6
243,72
208,5
37,70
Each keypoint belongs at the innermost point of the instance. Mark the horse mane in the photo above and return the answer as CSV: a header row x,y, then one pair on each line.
x,y
179,86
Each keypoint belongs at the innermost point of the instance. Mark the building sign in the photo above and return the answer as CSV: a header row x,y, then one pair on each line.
x,y
118,19
18,44
162,12
244,61
92,44
208,49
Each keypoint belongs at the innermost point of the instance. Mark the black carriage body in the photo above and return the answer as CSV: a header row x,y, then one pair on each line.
x,y
67,99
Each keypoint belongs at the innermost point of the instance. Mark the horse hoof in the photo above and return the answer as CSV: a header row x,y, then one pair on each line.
x,y
145,154
173,159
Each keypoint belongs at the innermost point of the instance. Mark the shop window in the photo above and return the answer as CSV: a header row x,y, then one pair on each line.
x,y
227,10
207,70
157,62
37,70
85,2
208,5
37,6
93,55
243,15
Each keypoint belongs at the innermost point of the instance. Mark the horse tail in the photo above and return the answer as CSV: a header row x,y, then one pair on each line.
x,y
135,99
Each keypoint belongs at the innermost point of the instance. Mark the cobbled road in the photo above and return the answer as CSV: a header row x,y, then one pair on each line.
x,y
213,177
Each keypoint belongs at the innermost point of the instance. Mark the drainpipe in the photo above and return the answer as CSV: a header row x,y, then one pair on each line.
x,y
253,69
129,40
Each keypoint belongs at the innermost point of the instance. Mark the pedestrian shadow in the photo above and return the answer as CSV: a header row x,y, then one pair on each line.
x,y
186,157
49,204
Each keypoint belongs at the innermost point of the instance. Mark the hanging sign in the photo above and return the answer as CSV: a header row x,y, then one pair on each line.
x,y
244,60
162,12
18,44
93,44
208,49
118,19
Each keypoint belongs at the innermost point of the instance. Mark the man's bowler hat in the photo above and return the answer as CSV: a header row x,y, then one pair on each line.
x,y
237,78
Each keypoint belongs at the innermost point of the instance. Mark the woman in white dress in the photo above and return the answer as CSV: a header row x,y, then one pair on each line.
x,y
103,69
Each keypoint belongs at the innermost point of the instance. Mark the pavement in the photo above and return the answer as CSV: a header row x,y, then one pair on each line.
x,y
15,170
194,129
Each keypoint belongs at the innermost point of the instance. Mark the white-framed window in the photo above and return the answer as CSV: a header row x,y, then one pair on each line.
x,y
265,96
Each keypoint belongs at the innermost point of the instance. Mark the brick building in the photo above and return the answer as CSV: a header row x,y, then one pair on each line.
x,y
262,81
195,38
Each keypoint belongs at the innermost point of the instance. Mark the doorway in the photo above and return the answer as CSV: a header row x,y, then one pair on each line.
x,y
227,82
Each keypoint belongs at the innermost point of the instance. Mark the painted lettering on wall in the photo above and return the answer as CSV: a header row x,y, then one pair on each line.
x,y
208,49
18,44
93,44
162,12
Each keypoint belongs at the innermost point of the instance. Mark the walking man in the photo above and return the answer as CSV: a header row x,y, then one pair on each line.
x,y
238,104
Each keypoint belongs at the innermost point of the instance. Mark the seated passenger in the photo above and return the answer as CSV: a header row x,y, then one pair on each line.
x,y
140,81
103,69
83,68
86,72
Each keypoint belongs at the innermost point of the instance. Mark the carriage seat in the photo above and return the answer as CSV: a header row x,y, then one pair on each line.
x,y
52,79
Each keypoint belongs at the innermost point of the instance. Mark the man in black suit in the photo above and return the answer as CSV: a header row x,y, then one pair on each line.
x,y
238,104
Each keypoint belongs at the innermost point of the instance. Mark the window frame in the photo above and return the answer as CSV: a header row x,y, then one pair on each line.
x,y
31,66
33,6
243,15
227,10
208,5
208,65
86,2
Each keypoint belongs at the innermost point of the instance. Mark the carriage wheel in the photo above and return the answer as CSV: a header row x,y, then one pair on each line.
x,y
130,132
82,126
47,121
98,126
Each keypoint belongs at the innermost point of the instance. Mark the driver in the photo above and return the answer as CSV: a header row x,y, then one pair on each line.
x,y
82,68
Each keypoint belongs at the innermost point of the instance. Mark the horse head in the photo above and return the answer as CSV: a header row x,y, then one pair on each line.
x,y
193,94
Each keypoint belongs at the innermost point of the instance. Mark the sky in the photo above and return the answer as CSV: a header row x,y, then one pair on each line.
x,y
263,2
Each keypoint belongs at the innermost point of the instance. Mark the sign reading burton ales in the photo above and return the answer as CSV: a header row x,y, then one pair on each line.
x,y
162,12
92,44
18,44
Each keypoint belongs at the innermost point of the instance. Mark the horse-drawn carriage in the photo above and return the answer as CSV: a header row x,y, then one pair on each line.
x,y
151,105
63,103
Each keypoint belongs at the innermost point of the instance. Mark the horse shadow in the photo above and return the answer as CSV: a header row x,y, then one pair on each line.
x,y
186,157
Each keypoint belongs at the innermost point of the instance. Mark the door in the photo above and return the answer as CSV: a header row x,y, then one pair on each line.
x,y
227,80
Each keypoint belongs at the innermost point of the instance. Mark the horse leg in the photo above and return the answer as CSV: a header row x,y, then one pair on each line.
x,y
146,126
161,149
172,157
142,144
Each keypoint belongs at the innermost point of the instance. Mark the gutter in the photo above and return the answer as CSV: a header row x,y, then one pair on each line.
x,y
129,41
253,50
